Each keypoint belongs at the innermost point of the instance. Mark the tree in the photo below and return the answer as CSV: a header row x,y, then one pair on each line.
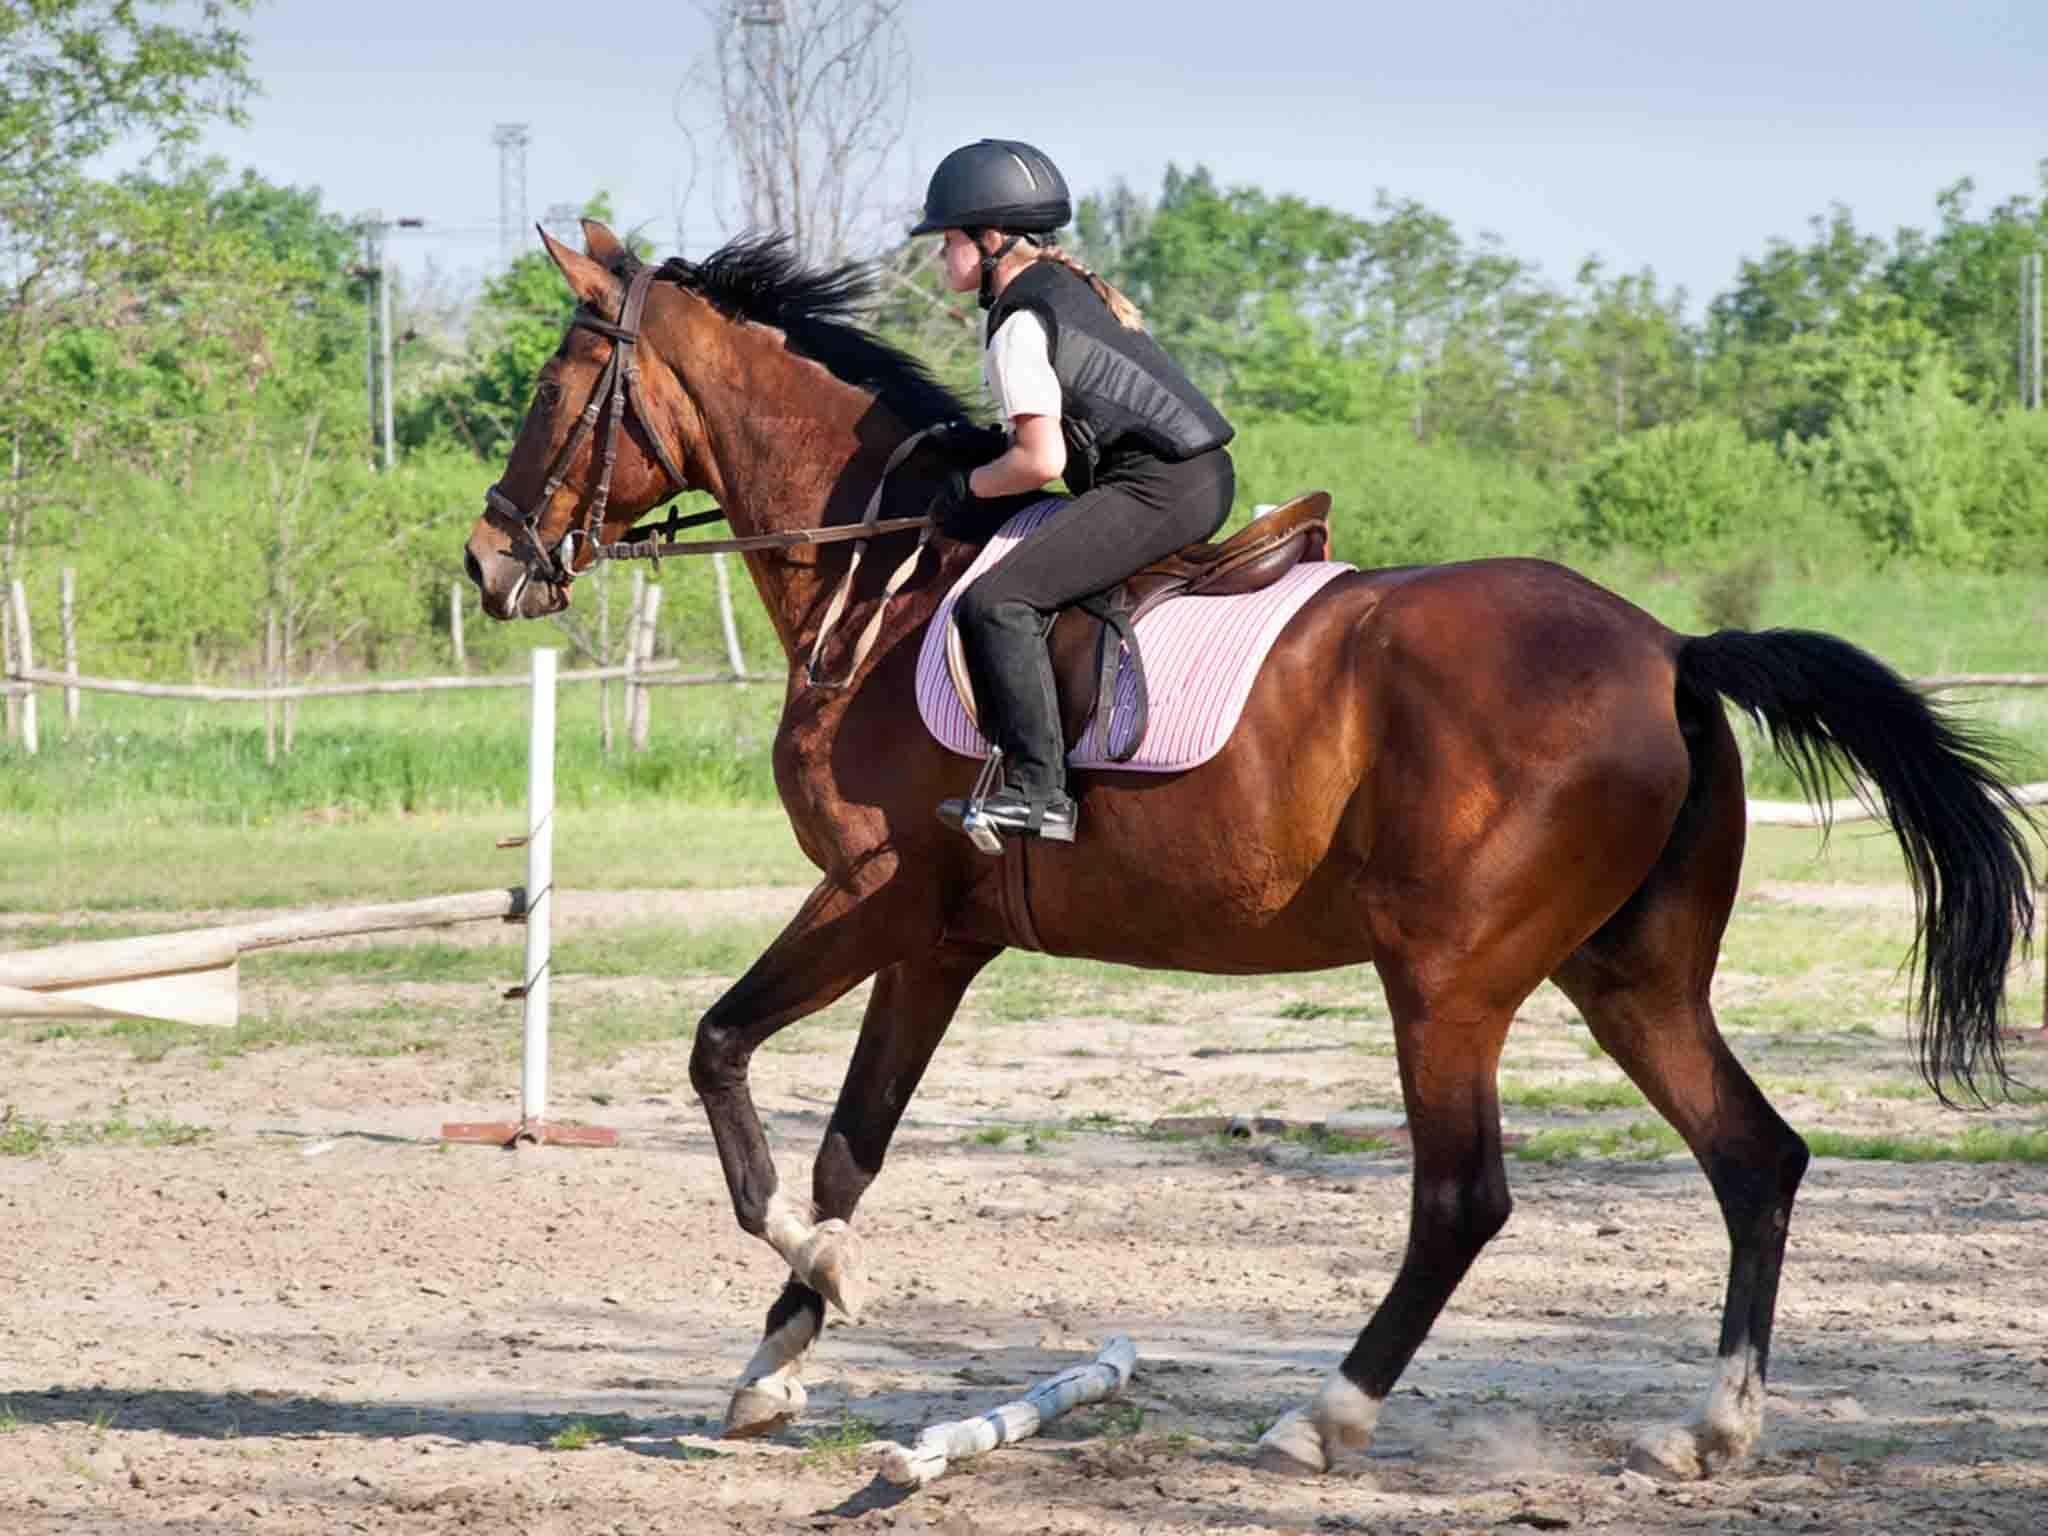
x,y
808,100
76,78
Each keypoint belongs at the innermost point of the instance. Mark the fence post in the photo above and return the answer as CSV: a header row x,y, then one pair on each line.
x,y
269,681
9,704
284,679
631,654
643,711
455,627
25,653
733,658
68,617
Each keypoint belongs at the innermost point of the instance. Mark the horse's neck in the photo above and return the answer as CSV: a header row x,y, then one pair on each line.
x,y
782,474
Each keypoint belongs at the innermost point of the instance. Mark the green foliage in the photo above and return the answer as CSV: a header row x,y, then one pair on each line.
x,y
1678,486
1898,463
1398,501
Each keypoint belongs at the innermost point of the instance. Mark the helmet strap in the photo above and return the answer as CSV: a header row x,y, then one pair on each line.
x,y
990,260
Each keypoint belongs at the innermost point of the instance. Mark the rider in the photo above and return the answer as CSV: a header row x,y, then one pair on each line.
x,y
1088,395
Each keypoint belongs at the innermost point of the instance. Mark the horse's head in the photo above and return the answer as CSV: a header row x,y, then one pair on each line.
x,y
602,442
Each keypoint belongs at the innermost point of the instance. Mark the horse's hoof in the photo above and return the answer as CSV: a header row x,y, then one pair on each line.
x,y
1670,1453
831,1263
764,1406
1293,1446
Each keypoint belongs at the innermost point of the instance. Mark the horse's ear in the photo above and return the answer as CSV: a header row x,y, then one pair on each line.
x,y
587,279
602,246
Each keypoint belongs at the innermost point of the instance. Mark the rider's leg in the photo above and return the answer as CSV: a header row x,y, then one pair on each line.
x,y
1127,521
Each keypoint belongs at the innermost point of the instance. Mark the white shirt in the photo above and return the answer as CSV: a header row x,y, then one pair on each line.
x,y
1016,369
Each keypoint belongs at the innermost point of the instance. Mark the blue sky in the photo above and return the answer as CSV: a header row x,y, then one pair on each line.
x,y
1681,137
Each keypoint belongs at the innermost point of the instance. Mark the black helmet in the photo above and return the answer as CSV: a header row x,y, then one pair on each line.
x,y
996,184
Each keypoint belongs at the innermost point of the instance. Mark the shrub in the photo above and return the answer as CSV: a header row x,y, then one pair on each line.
x,y
1674,487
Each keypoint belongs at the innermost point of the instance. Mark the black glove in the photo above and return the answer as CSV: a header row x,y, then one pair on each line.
x,y
957,510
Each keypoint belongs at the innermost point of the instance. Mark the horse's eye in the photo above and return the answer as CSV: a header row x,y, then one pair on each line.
x,y
547,394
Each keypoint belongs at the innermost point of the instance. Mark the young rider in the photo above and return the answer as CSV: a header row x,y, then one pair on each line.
x,y
1088,396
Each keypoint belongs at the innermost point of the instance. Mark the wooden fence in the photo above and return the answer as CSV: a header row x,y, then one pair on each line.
x,y
641,672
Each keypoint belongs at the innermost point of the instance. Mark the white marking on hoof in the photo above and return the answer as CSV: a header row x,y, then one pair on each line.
x,y
1332,1434
831,1264
771,1392
1670,1453
787,1225
1293,1445
1734,1420
761,1407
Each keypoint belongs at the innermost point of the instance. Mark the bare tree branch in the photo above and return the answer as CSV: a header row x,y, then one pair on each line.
x,y
804,102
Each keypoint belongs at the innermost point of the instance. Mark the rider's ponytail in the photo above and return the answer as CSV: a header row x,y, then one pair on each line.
x,y
1126,312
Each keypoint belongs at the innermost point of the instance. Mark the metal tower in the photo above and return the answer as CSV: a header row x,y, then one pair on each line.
x,y
511,141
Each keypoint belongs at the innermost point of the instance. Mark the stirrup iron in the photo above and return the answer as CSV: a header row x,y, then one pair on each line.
x,y
980,831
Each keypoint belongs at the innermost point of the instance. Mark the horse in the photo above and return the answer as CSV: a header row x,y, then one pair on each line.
x,y
1474,777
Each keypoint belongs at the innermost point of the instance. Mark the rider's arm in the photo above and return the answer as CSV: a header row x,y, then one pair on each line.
x,y
1037,453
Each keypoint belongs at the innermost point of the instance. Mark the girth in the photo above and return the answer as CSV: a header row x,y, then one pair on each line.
x,y
1092,641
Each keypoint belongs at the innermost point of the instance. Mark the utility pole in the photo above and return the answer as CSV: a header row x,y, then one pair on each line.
x,y
376,272
511,139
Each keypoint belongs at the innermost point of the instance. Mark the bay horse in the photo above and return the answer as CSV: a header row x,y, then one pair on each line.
x,y
1473,776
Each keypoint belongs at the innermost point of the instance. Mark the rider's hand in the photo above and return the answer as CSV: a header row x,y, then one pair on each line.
x,y
959,513
979,445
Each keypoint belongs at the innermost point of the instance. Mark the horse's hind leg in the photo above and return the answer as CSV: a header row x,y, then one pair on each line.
x,y
1642,985
1449,1056
908,1011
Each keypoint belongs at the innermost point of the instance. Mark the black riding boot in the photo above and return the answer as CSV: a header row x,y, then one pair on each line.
x,y
1020,713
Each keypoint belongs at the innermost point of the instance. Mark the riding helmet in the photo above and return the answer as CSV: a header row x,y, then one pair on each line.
x,y
996,184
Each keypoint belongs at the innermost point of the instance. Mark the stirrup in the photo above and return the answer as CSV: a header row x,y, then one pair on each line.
x,y
975,823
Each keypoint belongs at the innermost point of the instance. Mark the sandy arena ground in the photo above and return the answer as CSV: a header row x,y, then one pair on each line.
x,y
317,1319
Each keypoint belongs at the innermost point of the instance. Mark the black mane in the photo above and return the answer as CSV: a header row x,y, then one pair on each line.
x,y
759,278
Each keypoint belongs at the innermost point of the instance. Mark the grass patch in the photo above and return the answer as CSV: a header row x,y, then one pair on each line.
x,y
1637,1141
841,1443
1982,1145
1302,1009
582,1434
1325,1142
29,1138
1601,1093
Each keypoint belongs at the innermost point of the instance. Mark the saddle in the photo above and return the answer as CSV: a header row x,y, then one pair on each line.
x,y
1094,639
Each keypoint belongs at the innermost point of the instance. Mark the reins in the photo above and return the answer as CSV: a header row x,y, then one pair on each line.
x,y
619,384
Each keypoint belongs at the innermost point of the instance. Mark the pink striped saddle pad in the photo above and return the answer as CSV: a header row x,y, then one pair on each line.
x,y
1201,657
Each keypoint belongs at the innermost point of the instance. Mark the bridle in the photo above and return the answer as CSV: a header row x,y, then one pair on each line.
x,y
619,384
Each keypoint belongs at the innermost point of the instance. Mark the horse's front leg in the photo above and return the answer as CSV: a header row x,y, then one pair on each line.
x,y
907,1014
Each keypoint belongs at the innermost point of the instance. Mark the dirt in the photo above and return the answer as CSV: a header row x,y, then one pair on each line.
x,y
318,1319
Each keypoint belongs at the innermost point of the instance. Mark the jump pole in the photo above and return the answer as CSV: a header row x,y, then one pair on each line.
x,y
533,1127
939,1445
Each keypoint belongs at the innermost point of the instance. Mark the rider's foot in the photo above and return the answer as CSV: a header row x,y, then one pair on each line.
x,y
1010,810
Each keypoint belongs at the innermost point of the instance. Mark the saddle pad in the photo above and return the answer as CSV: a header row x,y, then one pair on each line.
x,y
1202,655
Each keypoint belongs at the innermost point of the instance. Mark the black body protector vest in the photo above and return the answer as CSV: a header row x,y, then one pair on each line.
x,y
1120,393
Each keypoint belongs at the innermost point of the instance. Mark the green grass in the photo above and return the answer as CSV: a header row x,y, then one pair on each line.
x,y
31,1138
1637,1141
582,1434
404,754
1599,1094
838,1444
108,862
1980,1145
1328,1143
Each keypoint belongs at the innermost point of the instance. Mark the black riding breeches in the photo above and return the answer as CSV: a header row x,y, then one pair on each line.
x,y
1141,510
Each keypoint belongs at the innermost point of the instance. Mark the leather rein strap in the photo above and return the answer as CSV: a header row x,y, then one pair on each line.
x,y
618,384
616,387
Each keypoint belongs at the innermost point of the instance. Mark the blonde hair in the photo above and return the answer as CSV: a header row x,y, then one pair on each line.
x,y
1127,314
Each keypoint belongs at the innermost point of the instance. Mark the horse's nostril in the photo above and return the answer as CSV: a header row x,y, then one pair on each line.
x,y
472,570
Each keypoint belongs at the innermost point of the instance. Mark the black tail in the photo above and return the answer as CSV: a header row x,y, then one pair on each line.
x,y
1824,702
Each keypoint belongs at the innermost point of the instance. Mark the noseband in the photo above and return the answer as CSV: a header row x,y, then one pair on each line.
x,y
619,384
